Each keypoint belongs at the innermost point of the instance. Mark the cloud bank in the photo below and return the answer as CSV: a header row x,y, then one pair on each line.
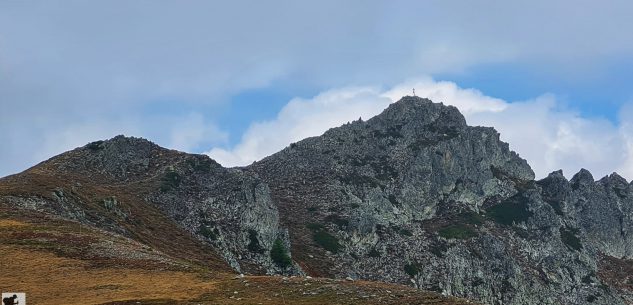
x,y
75,71
541,130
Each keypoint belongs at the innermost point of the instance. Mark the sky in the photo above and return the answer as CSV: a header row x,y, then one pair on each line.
x,y
240,80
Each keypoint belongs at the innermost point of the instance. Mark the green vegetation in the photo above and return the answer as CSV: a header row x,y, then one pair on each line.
x,y
570,238
324,239
472,218
208,232
279,254
314,226
253,244
338,220
556,206
457,231
327,241
171,181
438,248
412,269
512,210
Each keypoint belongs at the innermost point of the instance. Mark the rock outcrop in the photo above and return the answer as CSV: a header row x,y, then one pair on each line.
x,y
411,196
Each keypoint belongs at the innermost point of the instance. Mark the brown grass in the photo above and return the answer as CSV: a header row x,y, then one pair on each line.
x,y
145,224
66,274
57,261
49,279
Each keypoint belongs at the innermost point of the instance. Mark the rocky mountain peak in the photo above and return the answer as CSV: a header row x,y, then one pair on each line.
x,y
557,175
615,180
582,179
123,158
412,196
418,112
123,145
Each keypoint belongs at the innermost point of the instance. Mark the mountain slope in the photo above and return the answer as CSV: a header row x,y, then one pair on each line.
x,y
412,196
416,195
129,222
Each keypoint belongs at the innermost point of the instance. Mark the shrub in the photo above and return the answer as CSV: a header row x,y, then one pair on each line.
x,y
568,235
314,226
279,254
253,244
171,180
338,220
327,241
412,269
472,218
438,248
207,232
457,231
556,206
512,210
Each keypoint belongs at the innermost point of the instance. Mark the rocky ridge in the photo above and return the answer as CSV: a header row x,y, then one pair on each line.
x,y
411,196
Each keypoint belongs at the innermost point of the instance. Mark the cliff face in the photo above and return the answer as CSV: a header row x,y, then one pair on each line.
x,y
133,187
414,195
411,196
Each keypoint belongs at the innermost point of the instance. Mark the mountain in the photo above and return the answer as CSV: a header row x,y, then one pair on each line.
x,y
413,196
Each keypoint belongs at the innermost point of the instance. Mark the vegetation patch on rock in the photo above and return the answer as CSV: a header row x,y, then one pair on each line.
x,y
412,269
324,239
569,236
253,244
511,210
279,254
457,231
170,181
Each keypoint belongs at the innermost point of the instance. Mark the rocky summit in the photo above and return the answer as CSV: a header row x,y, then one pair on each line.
x,y
413,196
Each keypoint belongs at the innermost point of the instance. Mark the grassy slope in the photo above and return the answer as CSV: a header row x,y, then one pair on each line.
x,y
60,262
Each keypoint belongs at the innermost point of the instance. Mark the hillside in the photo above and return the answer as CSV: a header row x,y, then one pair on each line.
x,y
413,196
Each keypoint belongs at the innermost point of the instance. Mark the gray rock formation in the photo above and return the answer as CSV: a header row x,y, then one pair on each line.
x,y
412,196
416,196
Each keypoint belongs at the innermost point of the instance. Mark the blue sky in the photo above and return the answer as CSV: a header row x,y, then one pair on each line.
x,y
241,80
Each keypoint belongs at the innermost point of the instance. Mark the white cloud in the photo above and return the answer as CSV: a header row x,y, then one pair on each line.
x,y
548,136
68,73
551,138
626,133
302,118
189,132
469,101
